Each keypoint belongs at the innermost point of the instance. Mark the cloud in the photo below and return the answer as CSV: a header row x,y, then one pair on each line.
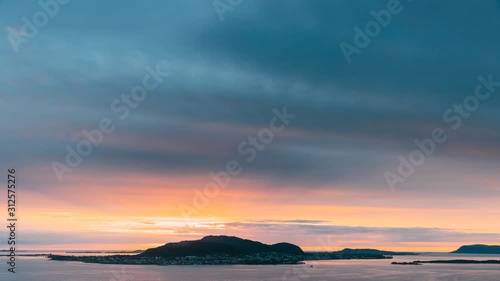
x,y
310,233
353,120
353,233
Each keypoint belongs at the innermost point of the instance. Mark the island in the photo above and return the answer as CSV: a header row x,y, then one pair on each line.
x,y
348,254
463,261
26,255
105,252
467,249
407,263
478,249
224,250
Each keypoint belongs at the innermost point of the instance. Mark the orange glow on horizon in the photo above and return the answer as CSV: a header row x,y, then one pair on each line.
x,y
146,207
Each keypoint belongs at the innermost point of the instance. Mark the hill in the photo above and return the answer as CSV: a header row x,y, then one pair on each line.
x,y
218,245
477,249
215,250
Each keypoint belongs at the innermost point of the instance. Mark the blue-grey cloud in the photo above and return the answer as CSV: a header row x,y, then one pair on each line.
x,y
353,119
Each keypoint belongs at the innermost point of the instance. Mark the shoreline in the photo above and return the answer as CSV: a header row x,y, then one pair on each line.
x,y
254,259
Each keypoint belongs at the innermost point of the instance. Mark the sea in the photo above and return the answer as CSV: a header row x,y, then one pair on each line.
x,y
43,269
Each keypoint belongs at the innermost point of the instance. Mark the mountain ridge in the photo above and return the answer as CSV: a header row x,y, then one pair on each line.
x,y
478,249
217,245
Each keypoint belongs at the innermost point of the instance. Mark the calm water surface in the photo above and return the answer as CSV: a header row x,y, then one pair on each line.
x,y
42,269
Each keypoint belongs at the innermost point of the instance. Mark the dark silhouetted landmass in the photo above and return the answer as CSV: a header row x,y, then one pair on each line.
x,y
348,251
26,255
216,245
477,249
463,261
450,261
208,250
106,252
348,254
407,263
212,250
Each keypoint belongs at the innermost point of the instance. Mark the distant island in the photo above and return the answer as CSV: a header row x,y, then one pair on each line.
x,y
212,250
450,261
463,261
26,255
349,254
477,249
407,263
467,249
105,252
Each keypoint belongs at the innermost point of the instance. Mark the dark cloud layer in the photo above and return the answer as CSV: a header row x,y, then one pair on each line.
x,y
353,120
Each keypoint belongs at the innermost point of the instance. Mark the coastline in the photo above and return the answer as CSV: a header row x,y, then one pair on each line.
x,y
248,259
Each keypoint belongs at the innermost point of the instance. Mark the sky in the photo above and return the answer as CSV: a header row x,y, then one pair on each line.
x,y
304,136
